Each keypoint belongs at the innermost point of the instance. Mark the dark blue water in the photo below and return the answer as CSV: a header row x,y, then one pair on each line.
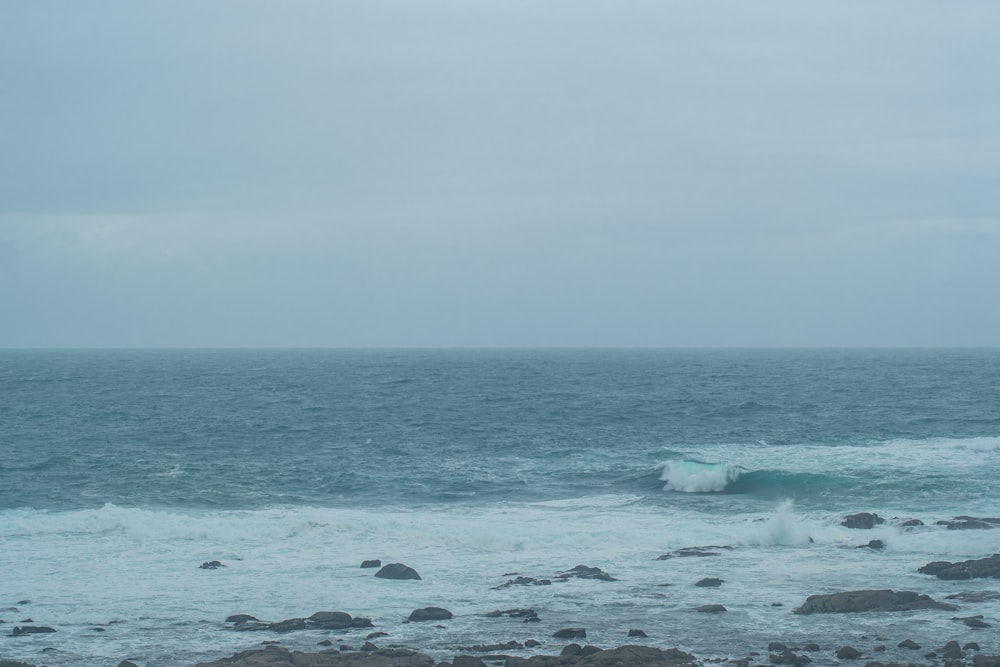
x,y
258,428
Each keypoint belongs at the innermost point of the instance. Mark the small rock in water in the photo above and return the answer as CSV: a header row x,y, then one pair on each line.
x,y
430,614
21,630
570,633
709,582
875,545
973,621
397,571
848,653
636,633
211,565
365,564
710,608
908,643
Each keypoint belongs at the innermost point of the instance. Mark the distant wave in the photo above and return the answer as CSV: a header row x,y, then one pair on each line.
x,y
688,476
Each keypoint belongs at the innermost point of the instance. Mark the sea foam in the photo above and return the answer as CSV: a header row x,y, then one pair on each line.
x,y
698,477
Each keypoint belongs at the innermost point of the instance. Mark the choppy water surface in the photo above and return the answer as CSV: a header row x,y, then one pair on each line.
x,y
122,471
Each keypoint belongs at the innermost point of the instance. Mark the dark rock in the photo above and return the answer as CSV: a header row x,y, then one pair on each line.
x,y
211,565
709,582
513,613
636,633
512,645
689,552
325,642
590,650
376,635
127,663
277,656
571,650
241,618
969,523
986,660
788,657
368,647
777,646
710,608
952,651
876,545
22,630
912,523
523,581
375,562
848,653
970,646
430,614
346,647
908,643
397,571
532,643
22,602
862,520
811,646
99,629
869,600
875,663
467,661
288,625
637,656
570,633
585,572
983,568
974,596
14,663
973,621
881,648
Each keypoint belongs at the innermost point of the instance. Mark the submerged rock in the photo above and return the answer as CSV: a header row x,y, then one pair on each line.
x,y
321,620
366,564
710,608
972,621
694,552
869,600
211,565
848,653
709,582
585,572
277,656
570,633
875,545
21,630
969,523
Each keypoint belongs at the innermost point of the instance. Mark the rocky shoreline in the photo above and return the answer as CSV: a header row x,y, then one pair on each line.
x,y
379,649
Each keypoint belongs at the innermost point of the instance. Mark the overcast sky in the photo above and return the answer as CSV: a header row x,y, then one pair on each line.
x,y
499,173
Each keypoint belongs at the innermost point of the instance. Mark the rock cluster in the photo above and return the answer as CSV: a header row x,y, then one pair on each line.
x,y
578,572
321,620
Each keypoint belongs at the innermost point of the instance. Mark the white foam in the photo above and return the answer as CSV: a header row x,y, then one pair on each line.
x,y
697,477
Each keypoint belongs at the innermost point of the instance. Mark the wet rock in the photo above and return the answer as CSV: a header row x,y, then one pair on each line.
x,y
869,600
127,663
585,572
467,661
241,618
637,656
15,663
277,656
21,630
875,545
912,523
777,646
367,564
634,632
288,625
969,523
325,642
376,635
970,646
862,520
788,657
692,552
397,571
847,653
881,648
211,565
709,582
982,568
986,660
909,643
811,646
952,651
430,614
532,643
570,633
511,645
571,650
972,621
523,581
710,608
527,614
974,596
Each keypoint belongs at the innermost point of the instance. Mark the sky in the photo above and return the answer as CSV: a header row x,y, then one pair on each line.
x,y
245,173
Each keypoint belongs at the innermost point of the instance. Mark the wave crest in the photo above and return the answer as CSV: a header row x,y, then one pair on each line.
x,y
698,477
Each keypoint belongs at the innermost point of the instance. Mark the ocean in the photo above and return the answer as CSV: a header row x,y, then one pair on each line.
x,y
123,471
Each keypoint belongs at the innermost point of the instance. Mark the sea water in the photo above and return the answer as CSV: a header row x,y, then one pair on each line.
x,y
121,472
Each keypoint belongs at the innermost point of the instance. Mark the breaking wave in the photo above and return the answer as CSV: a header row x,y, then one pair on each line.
x,y
688,476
